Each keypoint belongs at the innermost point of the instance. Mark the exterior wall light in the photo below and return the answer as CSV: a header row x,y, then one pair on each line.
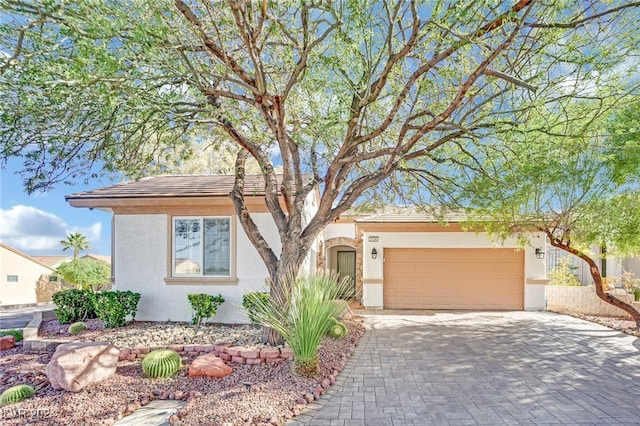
x,y
374,253
539,253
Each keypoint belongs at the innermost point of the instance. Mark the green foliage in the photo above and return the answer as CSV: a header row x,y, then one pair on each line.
x,y
204,306
337,330
113,307
302,314
74,305
86,273
17,334
636,294
563,274
161,363
16,394
76,242
77,328
249,302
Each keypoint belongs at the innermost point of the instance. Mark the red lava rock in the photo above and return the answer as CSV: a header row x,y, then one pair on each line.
x,y
165,395
7,342
144,401
326,383
308,397
209,365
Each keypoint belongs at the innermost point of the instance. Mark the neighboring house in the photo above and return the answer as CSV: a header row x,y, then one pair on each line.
x,y
53,261
98,257
25,279
176,235
610,267
407,260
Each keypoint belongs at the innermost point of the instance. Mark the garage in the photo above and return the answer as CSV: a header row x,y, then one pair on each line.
x,y
453,278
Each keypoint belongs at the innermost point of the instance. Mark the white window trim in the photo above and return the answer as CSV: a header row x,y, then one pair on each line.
x,y
190,279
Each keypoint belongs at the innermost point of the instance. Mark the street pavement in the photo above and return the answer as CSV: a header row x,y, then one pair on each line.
x,y
19,317
484,368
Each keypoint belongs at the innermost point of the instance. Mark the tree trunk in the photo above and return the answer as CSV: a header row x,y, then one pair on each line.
x,y
597,280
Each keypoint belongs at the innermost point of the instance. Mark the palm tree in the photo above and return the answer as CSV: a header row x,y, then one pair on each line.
x,y
77,242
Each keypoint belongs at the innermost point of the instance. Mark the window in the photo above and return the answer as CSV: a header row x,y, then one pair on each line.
x,y
53,278
12,278
202,247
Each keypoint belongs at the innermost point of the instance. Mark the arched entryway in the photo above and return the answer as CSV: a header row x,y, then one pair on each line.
x,y
342,255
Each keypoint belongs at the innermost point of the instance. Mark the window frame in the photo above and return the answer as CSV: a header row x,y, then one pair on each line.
x,y
173,278
12,281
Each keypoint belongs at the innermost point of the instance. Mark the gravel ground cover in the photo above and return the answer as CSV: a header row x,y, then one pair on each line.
x,y
143,333
275,395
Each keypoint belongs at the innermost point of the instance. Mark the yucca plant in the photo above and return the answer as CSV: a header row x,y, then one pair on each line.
x,y
303,315
161,363
16,394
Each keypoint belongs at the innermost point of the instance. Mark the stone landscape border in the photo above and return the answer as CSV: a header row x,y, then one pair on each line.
x,y
226,351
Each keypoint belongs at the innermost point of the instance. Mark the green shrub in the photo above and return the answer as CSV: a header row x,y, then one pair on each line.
x,y
161,363
302,313
249,302
636,294
74,305
113,307
77,327
16,394
86,273
17,334
563,274
337,329
204,306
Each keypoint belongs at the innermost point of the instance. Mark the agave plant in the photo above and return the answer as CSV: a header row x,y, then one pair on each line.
x,y
303,315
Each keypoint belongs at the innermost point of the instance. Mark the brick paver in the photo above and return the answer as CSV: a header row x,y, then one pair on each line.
x,y
484,368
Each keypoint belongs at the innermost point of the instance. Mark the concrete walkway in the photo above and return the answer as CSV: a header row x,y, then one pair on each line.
x,y
485,368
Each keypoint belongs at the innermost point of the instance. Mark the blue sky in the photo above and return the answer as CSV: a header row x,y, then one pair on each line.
x,y
36,223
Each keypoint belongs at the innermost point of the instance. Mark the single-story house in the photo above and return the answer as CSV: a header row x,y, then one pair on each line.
x,y
24,279
176,235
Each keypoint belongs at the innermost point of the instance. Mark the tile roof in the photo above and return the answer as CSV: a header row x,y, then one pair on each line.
x,y
99,257
174,186
396,214
51,260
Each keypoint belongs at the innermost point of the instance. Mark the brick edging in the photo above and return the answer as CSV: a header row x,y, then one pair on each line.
x,y
229,353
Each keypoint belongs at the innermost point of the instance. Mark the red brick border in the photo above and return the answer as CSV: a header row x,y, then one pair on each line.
x,y
234,354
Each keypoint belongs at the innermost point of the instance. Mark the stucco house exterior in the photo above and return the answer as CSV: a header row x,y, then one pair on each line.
x,y
25,280
410,260
176,235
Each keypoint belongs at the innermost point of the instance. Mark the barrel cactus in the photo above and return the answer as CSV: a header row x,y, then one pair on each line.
x,y
161,363
16,394
77,327
337,330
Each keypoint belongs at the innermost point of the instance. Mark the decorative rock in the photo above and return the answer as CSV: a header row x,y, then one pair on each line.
x,y
326,383
209,365
308,397
301,400
7,342
76,365
179,394
286,353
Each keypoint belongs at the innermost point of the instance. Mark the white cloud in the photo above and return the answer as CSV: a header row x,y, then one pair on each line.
x,y
32,230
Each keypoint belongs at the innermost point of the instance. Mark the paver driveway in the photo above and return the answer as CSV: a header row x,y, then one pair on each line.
x,y
484,368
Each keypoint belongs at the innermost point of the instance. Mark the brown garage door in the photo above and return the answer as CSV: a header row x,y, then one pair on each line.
x,y
489,278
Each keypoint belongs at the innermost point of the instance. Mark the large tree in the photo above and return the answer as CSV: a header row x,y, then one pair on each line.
x,y
344,95
579,185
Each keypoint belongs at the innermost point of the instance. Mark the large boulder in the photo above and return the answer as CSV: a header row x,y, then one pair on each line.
x,y
209,365
77,365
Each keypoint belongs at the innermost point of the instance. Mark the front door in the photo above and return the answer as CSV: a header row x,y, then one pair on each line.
x,y
347,267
